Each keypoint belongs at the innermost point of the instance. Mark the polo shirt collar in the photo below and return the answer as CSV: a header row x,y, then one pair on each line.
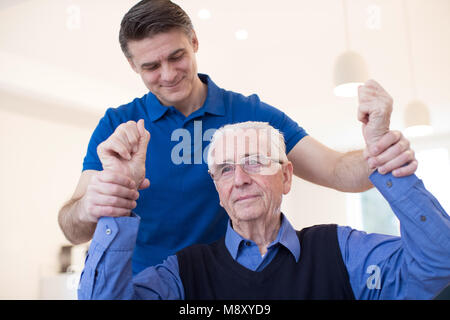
x,y
287,236
213,104
155,109
214,99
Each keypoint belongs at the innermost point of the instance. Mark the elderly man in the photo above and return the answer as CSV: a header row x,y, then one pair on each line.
x,y
261,255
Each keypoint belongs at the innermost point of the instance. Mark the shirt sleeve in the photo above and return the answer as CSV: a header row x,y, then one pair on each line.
x,y
290,129
413,266
107,274
104,129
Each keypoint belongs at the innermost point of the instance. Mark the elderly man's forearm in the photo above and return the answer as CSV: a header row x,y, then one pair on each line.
x,y
75,230
425,235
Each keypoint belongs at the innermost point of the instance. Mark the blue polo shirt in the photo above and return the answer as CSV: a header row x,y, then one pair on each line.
x,y
181,206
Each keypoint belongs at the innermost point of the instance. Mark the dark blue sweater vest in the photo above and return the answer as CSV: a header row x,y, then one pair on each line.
x,y
209,272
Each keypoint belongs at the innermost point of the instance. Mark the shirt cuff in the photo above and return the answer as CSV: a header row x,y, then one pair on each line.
x,y
117,233
392,188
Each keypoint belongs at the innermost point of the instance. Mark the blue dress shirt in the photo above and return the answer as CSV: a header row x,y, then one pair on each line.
x,y
413,266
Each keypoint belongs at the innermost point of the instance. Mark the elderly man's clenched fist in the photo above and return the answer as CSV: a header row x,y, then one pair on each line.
x,y
113,192
374,111
386,150
125,151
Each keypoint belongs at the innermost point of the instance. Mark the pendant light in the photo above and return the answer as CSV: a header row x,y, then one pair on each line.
x,y
416,113
417,119
350,70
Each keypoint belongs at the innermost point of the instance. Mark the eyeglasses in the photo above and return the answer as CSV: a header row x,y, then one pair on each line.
x,y
253,164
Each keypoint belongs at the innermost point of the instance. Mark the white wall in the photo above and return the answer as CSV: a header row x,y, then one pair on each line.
x,y
308,204
39,167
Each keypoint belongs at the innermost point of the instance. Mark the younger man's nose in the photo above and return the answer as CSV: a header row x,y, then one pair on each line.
x,y
168,74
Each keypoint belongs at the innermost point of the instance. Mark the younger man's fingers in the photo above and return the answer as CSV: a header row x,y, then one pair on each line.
x,y
406,170
385,142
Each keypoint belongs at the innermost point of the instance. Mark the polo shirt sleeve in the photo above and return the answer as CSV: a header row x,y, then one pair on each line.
x,y
291,130
102,132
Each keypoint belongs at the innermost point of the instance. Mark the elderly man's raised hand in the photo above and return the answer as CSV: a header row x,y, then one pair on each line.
x,y
386,150
125,152
374,111
113,191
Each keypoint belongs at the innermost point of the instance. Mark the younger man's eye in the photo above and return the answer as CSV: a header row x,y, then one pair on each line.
x,y
151,68
177,57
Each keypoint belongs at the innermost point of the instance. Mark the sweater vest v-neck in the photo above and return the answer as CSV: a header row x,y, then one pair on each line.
x,y
209,272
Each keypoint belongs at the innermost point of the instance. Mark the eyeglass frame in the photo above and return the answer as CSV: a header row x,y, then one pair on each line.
x,y
242,164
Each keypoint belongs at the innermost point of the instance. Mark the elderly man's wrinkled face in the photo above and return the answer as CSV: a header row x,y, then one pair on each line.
x,y
253,188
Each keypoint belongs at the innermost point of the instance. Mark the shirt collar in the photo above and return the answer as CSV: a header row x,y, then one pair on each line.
x,y
287,236
213,103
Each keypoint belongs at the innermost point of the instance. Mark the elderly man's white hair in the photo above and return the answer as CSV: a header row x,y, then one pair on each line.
x,y
276,138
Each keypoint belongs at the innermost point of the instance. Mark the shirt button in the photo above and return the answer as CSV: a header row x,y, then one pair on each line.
x,y
423,218
248,243
108,231
389,183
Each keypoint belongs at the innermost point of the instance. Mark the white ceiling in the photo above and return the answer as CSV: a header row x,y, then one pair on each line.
x,y
287,59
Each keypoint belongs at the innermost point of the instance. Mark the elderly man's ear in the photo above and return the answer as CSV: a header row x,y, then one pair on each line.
x,y
215,185
287,171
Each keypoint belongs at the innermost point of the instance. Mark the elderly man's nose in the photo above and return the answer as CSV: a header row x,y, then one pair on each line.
x,y
240,176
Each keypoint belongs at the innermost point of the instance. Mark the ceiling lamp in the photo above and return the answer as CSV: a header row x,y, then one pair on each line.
x,y
241,34
204,14
417,119
350,70
416,113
